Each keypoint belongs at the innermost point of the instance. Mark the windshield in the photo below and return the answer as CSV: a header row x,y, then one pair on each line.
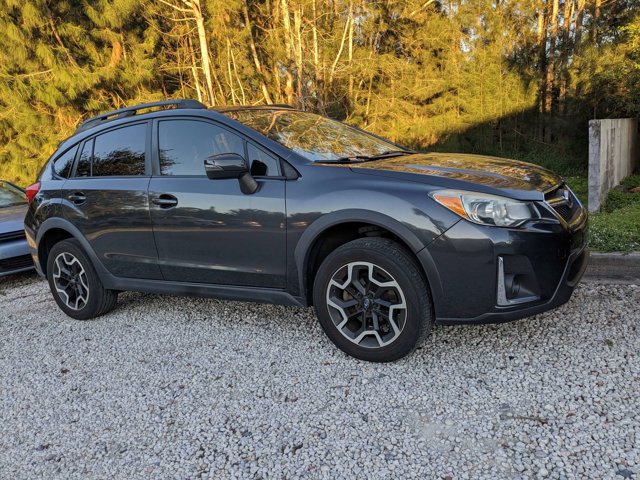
x,y
313,136
10,195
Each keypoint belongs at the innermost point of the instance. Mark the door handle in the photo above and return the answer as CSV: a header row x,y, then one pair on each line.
x,y
77,198
165,201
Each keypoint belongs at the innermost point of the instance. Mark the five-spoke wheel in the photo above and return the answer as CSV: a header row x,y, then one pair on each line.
x,y
366,304
372,299
74,283
70,281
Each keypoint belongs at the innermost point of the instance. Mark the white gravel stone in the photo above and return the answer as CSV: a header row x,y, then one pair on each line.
x,y
167,387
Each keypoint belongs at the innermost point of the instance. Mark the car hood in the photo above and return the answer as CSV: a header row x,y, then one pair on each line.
x,y
464,170
12,218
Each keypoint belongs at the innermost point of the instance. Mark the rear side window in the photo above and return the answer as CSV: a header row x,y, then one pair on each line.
x,y
120,152
63,165
186,144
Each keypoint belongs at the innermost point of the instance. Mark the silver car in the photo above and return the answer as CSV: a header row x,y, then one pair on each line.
x,y
14,252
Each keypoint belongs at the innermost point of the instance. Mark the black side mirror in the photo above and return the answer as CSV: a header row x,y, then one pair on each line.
x,y
225,165
231,165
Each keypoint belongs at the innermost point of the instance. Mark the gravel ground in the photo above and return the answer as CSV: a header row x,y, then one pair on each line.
x,y
190,388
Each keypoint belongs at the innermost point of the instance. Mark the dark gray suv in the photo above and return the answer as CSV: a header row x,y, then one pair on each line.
x,y
276,205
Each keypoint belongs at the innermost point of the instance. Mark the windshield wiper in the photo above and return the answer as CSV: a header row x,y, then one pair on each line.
x,y
367,158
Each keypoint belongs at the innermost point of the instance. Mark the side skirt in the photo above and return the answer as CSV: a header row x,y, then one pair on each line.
x,y
223,292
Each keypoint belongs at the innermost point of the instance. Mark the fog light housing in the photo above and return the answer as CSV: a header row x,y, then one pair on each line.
x,y
516,281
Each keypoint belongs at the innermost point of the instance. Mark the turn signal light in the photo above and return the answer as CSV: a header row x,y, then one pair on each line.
x,y
452,202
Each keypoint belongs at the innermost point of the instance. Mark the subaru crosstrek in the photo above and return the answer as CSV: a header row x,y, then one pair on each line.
x,y
277,205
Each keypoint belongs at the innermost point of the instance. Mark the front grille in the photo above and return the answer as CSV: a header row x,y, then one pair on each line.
x,y
16,263
11,236
564,202
564,211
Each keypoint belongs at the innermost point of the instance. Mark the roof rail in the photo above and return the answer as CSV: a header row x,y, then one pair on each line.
x,y
263,106
279,105
130,111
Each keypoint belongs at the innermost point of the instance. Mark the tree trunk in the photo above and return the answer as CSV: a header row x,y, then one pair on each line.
x,y
564,56
577,38
235,71
316,60
551,58
542,51
342,42
596,19
350,54
297,21
541,42
194,69
286,21
551,72
254,54
204,49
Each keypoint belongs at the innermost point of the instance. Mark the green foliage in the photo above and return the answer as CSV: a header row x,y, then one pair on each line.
x,y
616,227
580,186
607,77
617,231
61,62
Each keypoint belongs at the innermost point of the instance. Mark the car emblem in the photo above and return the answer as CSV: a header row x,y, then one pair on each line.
x,y
366,303
567,197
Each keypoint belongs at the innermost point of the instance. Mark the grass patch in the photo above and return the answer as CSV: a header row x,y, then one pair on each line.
x,y
616,227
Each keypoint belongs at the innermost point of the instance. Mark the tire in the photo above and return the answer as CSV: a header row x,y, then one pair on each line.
x,y
360,319
74,283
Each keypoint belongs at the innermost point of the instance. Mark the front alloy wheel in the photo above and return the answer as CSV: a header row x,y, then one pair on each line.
x,y
372,299
366,304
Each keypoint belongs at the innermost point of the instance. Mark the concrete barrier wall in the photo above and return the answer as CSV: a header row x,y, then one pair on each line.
x,y
613,155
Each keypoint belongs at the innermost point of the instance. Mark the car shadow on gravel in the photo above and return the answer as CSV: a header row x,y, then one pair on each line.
x,y
18,280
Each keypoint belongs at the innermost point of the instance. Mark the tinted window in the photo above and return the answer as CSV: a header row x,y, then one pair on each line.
x,y
120,152
84,163
64,163
262,164
186,144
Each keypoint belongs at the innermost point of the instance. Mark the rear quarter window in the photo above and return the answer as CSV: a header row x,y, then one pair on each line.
x,y
63,165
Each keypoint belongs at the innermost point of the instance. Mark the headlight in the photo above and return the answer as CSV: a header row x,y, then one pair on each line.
x,y
486,209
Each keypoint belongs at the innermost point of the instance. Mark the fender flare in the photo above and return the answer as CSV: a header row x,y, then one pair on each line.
x,y
62,224
319,226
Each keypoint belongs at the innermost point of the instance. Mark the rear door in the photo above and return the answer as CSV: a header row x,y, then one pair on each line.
x,y
106,198
208,231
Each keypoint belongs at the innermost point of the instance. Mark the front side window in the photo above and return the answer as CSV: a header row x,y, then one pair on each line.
x,y
262,164
120,152
312,136
64,163
186,144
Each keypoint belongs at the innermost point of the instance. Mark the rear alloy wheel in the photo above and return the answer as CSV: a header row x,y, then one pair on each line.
x,y
74,283
70,281
372,300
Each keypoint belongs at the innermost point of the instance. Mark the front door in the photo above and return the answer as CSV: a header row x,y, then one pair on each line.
x,y
208,231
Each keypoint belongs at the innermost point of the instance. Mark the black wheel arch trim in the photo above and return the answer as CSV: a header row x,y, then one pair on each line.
x,y
62,224
319,226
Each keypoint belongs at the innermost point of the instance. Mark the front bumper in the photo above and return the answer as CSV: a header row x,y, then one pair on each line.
x,y
543,264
